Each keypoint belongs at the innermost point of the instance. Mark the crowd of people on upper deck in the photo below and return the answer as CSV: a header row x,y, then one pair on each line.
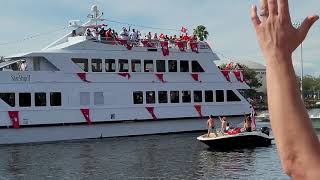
x,y
132,35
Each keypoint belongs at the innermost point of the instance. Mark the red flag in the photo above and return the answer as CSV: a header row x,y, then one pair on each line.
x,y
184,30
14,116
226,74
180,45
165,48
238,75
194,47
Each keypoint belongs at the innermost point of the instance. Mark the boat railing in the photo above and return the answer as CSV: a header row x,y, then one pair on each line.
x,y
151,44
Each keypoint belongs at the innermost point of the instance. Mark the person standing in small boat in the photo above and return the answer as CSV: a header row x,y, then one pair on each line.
x,y
224,122
211,125
247,123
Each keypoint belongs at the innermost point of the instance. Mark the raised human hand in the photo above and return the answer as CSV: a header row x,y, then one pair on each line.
x,y
277,37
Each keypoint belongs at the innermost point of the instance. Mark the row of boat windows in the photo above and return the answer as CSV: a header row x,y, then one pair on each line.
x,y
25,99
183,96
137,65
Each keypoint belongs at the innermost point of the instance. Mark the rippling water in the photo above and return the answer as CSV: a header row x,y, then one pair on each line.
x,y
178,156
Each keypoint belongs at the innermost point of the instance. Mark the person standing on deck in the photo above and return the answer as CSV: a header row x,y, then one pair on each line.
x,y
223,124
211,125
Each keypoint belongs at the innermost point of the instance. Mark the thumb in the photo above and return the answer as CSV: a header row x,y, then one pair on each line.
x,y
306,25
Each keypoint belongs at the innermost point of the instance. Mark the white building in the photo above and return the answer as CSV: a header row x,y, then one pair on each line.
x,y
260,69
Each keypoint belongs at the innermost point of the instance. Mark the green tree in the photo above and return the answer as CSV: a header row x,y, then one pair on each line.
x,y
201,32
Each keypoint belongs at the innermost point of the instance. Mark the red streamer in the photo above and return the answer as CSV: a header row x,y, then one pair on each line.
x,y
83,77
198,109
151,111
14,116
86,115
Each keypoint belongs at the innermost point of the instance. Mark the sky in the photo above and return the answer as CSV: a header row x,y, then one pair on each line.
x,y
30,25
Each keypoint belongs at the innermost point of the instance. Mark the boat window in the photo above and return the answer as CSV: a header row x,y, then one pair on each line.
x,y
138,97
84,98
8,98
220,95
123,65
186,96
40,99
55,99
197,96
196,67
110,65
173,66
161,66
98,98
184,66
174,96
151,97
231,96
25,99
163,97
148,66
82,63
96,65
136,65
209,96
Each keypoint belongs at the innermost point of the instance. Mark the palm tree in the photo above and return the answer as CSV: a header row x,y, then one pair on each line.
x,y
201,32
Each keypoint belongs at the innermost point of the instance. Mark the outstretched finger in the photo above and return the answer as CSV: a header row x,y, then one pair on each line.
x,y
306,25
284,9
273,7
254,16
264,10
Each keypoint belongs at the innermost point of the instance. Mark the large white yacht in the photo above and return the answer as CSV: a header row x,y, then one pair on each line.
x,y
82,87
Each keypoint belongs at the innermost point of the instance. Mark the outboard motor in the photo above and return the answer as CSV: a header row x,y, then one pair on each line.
x,y
265,130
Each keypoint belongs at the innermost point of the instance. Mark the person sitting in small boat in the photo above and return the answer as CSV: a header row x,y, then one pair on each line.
x,y
228,127
211,125
223,124
247,124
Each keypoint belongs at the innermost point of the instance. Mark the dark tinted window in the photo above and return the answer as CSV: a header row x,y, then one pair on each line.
x,y
55,99
110,65
96,65
209,96
163,97
220,95
8,98
174,96
196,67
138,97
231,96
186,96
40,99
123,65
136,65
197,96
151,97
82,63
161,65
24,99
173,66
184,66
148,66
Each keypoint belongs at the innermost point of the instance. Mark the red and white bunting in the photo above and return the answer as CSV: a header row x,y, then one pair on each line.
x,y
165,48
86,115
194,47
239,75
125,43
14,116
125,74
199,109
83,77
181,46
151,111
160,76
226,74
195,76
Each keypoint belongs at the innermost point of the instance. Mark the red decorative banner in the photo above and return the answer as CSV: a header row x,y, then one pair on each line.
x,y
151,111
14,116
160,77
239,75
165,48
198,109
194,47
195,76
125,75
226,74
180,44
83,77
148,43
125,43
86,114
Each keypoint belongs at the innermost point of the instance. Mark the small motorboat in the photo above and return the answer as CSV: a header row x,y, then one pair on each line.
x,y
237,139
